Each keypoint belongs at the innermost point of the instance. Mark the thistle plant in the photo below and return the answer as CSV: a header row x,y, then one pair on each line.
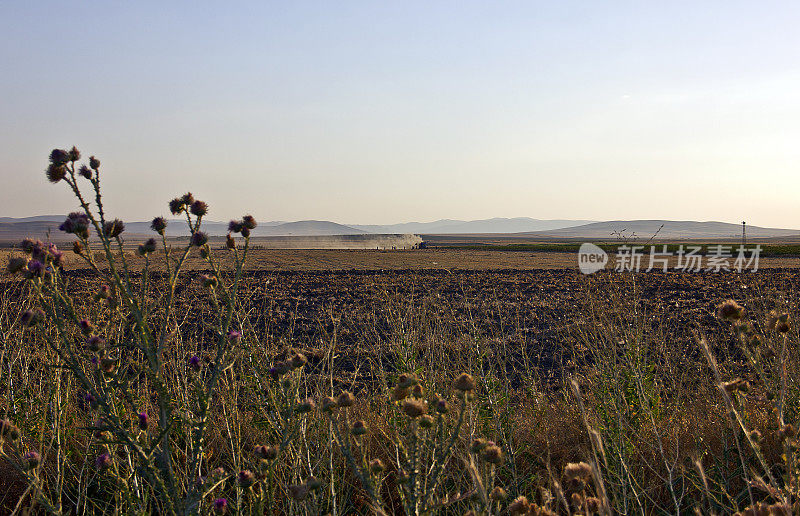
x,y
147,446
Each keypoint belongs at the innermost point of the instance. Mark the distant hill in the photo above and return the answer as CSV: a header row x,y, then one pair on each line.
x,y
453,227
672,229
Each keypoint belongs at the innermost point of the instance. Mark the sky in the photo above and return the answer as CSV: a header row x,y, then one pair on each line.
x,y
380,112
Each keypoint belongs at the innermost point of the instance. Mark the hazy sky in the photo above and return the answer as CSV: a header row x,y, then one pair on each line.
x,y
379,112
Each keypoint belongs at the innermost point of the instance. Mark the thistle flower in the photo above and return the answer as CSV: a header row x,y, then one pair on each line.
x,y
31,317
159,224
104,292
74,154
143,420
298,492
176,206
187,198
313,483
305,406
782,326
198,208
376,466
235,226
520,505
399,393
298,360
407,380
426,421
114,228
55,173
103,461
85,326
441,406
147,247
76,223
208,281
359,428
245,478
577,470
8,430
94,162
234,336
16,264
194,363
199,239
328,404
31,459
245,232
478,444
593,505
730,310
493,454
266,452
220,506
249,222
417,391
230,243
108,365
498,494
85,172
59,157
345,399
786,432
28,244
95,343
414,408
464,383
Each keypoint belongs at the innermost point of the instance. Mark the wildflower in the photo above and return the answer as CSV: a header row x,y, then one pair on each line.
x,y
32,459
16,264
298,360
313,483
187,198
577,470
305,406
249,222
59,157
76,223
345,399
298,492
359,428
376,466
786,432
8,430
147,247
31,317
730,310
35,268
230,243
399,393
114,228
220,506
199,239
245,478
520,505
493,455
104,292
143,420
414,408
782,326
245,232
198,208
441,406
94,163
194,363
498,494
85,326
576,500
407,380
85,172
218,472
426,421
755,436
593,504
478,444
266,452
159,224
107,365
417,391
176,206
103,461
56,173
328,404
74,154
95,343
208,281
464,383
234,336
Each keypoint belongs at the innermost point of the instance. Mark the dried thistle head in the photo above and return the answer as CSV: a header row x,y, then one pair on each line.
x,y
464,383
593,504
55,173
426,421
578,470
59,157
8,430
249,222
359,428
493,454
298,360
399,393
376,466
159,224
245,478
730,310
345,399
298,492
16,264
113,228
407,380
498,494
220,506
306,405
328,404
414,408
265,452
199,239
198,208
519,506
31,460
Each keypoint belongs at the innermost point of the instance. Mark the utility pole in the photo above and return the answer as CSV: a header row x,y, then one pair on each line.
x,y
744,234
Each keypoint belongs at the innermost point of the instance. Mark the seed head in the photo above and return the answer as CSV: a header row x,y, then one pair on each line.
x,y
235,226
59,157
345,399
313,483
787,431
464,383
195,363
399,393
305,406
407,380
593,505
519,506
441,406
85,326
328,404
55,173
114,228
245,232
176,206
220,506
245,478
298,360
94,163
31,459
730,310
493,455
208,281
414,408
198,208
498,494
8,430
103,461
376,466
74,154
298,492
95,343
107,365
31,317
159,224
577,470
478,444
16,264
359,428
266,452
199,239
426,421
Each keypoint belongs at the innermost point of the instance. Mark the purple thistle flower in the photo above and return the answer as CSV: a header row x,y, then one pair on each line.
x,y
199,208
32,459
234,336
143,420
235,226
85,172
176,206
28,244
249,222
55,173
114,228
35,267
199,239
220,505
187,198
158,225
59,156
195,362
94,162
85,326
74,154
103,461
